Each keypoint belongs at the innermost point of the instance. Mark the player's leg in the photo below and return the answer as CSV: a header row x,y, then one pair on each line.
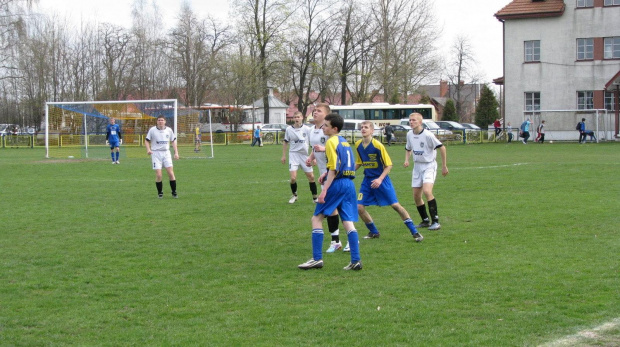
x,y
432,206
158,183
309,171
354,244
317,243
167,163
173,181
112,153
404,215
117,153
157,165
293,183
373,232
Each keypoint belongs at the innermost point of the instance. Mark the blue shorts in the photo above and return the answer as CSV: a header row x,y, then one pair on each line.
x,y
385,195
114,144
341,196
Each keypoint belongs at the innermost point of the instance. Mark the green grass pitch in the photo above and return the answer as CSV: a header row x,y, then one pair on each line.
x,y
528,253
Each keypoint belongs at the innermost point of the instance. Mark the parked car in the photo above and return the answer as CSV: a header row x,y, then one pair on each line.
x,y
399,132
352,130
270,130
456,128
471,127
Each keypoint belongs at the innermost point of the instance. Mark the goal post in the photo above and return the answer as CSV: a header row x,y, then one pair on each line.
x,y
560,125
78,129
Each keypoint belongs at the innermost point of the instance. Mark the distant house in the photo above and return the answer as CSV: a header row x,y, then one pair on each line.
x,y
440,93
560,57
277,110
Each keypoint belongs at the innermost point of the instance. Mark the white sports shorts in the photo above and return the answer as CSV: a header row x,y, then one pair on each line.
x,y
423,173
296,159
161,158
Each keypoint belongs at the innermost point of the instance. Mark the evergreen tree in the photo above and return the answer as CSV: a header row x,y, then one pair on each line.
x,y
449,111
487,109
425,99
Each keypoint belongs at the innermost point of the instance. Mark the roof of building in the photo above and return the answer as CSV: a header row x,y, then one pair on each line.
x,y
517,9
273,102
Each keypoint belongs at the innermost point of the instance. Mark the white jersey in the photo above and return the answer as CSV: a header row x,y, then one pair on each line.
x,y
317,137
297,138
423,146
160,139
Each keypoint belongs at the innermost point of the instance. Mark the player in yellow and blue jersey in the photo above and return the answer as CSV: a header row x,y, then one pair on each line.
x,y
377,188
338,195
114,138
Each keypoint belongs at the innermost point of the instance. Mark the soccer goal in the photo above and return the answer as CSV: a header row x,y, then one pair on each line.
x,y
560,124
78,129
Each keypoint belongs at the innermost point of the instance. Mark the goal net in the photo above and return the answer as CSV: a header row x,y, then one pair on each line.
x,y
78,129
560,124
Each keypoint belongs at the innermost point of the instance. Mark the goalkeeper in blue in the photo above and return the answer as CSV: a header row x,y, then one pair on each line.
x,y
337,196
376,188
114,139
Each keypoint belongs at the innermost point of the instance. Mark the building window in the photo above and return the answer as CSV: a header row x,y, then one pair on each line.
x,y
585,3
532,50
612,47
609,101
612,2
585,49
585,100
532,101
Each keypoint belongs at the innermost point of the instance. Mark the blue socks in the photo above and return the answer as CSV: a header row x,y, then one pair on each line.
x,y
371,226
409,223
354,245
317,244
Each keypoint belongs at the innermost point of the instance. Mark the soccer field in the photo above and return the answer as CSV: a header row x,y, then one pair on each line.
x,y
527,253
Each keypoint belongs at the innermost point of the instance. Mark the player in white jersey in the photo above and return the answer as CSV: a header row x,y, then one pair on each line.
x,y
157,143
296,138
317,143
424,146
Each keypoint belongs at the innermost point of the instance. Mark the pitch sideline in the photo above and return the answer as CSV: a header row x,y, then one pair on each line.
x,y
585,336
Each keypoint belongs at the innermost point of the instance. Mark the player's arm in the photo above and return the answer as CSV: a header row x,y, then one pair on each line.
x,y
284,148
147,144
377,181
407,156
176,150
310,160
331,175
444,160
120,136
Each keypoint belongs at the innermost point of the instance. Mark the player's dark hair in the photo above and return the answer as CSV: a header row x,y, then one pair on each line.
x,y
335,120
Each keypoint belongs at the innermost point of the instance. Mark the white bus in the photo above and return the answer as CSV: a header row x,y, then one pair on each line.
x,y
381,113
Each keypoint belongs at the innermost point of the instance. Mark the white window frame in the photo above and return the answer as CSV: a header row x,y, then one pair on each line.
x,y
611,47
612,2
585,49
532,51
532,101
610,97
585,100
585,3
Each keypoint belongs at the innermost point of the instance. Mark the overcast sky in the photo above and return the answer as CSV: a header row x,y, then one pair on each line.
x,y
471,18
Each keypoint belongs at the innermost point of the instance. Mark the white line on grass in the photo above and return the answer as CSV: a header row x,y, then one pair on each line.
x,y
489,167
584,335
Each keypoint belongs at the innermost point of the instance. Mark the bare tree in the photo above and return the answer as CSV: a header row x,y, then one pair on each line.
x,y
266,21
117,60
460,72
355,44
313,36
405,44
195,44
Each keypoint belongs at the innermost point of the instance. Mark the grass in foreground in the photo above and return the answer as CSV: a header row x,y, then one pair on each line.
x,y
527,253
